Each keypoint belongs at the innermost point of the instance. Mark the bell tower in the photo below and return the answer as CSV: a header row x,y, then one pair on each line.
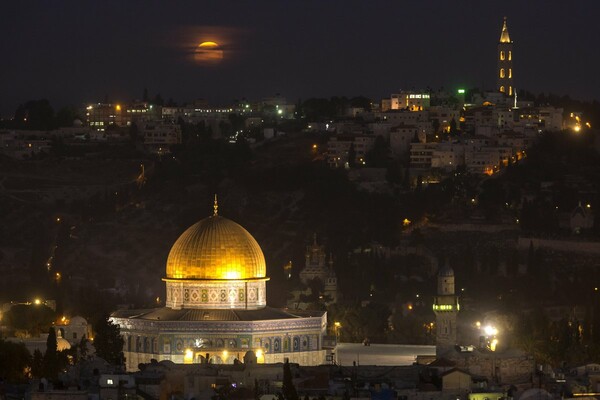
x,y
504,73
445,308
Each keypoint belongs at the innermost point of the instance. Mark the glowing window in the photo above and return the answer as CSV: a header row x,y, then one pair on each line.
x,y
109,382
510,90
502,89
509,55
510,72
501,72
502,55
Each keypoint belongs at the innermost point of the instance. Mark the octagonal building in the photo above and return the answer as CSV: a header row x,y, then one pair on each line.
x,y
216,306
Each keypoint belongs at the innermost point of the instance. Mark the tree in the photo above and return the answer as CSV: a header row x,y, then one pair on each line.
x,y
351,156
14,359
36,115
50,364
435,125
34,318
288,390
453,130
83,350
37,365
65,117
158,100
531,261
109,342
134,132
316,288
377,156
361,102
395,172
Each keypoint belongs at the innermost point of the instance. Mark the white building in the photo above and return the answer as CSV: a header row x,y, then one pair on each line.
x,y
402,136
338,148
448,155
158,136
409,100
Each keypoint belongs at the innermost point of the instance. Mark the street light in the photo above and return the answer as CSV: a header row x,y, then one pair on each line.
x,y
336,327
490,330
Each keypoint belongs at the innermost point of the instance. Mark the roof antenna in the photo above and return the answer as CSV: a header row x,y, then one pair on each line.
x,y
215,207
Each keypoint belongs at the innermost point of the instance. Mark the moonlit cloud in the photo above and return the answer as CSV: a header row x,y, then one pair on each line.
x,y
207,45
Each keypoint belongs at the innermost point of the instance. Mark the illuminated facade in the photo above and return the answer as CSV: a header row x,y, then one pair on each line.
x,y
100,116
504,73
445,307
412,101
216,306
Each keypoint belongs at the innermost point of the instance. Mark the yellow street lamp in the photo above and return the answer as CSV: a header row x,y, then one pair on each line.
x,y
336,328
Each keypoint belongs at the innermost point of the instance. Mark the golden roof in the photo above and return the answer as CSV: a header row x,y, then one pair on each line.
x,y
504,37
216,248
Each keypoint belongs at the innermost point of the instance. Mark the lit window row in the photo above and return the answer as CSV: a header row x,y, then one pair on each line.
x,y
503,55
503,74
418,96
445,307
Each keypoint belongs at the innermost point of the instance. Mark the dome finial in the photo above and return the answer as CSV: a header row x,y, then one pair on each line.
x,y
215,207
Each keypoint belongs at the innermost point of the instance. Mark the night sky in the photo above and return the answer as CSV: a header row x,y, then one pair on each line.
x,y
79,51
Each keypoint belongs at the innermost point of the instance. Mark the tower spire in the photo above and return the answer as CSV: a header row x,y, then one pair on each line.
x,y
215,207
504,36
504,72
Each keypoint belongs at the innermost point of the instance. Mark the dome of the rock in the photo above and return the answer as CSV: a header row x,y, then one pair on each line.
x,y
216,248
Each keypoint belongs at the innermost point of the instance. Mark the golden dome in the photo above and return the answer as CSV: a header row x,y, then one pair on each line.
x,y
216,248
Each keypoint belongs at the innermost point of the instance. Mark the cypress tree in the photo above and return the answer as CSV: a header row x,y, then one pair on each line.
x,y
50,363
288,389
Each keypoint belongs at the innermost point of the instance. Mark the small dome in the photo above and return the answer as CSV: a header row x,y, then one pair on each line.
x,y
77,320
216,248
446,271
62,344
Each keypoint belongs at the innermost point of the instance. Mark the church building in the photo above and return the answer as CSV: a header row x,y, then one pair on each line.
x,y
216,307
317,267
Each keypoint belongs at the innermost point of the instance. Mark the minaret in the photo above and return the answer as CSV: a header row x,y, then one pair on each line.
x,y
504,74
445,307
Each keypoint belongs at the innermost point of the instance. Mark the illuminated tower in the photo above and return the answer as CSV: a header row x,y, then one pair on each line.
x,y
445,307
504,74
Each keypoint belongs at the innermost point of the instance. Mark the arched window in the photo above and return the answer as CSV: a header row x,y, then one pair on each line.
x,y
502,89
502,55
501,72
510,73
510,91
509,55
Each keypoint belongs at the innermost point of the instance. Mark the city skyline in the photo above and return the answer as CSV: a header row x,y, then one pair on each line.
x,y
80,53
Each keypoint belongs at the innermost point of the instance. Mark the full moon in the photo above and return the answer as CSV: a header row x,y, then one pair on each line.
x,y
208,53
